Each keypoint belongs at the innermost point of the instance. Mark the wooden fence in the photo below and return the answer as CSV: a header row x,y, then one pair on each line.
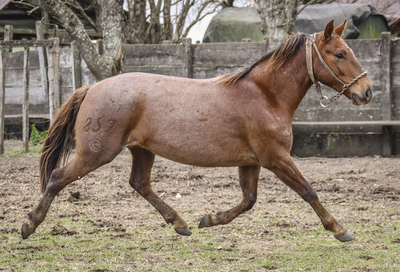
x,y
49,77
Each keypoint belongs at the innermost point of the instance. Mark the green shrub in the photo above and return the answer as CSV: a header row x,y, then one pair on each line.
x,y
36,136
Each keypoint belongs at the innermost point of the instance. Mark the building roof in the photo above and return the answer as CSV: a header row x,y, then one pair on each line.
x,y
4,3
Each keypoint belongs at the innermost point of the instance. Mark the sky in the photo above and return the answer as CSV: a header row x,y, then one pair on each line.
x,y
196,33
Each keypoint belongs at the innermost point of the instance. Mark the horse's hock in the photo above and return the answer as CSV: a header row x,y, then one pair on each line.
x,y
339,130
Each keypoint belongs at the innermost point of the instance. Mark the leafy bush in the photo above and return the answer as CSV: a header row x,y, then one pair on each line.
x,y
36,136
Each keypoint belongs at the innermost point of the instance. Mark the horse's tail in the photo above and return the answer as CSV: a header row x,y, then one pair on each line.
x,y
60,139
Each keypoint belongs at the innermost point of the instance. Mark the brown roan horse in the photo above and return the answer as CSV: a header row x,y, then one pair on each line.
x,y
242,119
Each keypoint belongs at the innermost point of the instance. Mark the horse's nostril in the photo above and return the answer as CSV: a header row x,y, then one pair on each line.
x,y
356,99
368,94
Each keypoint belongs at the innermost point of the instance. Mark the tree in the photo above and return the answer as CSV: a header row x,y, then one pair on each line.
x,y
159,24
111,18
278,18
142,21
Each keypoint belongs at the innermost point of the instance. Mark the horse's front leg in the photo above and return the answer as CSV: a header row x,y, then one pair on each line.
x,y
248,176
283,166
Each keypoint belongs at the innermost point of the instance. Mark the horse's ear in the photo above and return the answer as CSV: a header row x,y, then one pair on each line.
x,y
328,30
340,29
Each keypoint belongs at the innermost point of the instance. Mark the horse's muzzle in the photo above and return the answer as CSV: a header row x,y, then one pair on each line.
x,y
364,99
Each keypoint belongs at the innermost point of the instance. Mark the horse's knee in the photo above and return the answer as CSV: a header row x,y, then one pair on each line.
x,y
249,203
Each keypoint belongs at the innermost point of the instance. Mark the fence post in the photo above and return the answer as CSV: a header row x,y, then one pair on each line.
x,y
76,66
2,97
386,84
386,93
8,34
40,28
53,55
187,59
44,16
25,104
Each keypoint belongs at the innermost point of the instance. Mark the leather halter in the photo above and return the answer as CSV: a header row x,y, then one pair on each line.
x,y
323,100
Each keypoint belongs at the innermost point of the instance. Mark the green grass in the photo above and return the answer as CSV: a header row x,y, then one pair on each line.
x,y
145,248
35,142
33,150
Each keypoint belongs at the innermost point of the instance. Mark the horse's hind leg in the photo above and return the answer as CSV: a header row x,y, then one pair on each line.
x,y
248,176
75,169
142,162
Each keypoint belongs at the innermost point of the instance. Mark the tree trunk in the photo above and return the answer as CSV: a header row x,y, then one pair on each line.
x,y
101,66
135,32
167,30
277,20
111,23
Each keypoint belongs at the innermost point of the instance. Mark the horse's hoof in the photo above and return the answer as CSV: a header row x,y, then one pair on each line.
x,y
205,221
185,232
25,231
347,236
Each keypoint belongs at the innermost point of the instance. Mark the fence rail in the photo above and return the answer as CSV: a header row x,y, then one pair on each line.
x,y
26,43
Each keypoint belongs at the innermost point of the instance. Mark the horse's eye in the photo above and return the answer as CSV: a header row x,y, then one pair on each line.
x,y
340,56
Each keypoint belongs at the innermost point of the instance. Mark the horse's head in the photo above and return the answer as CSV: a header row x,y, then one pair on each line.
x,y
344,65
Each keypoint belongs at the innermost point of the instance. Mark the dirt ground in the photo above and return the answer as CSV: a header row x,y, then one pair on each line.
x,y
348,187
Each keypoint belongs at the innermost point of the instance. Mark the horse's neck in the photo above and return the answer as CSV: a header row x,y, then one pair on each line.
x,y
287,86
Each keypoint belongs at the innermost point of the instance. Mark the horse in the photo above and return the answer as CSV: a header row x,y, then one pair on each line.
x,y
241,119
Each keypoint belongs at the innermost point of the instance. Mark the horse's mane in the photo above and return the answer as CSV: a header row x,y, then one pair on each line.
x,y
278,57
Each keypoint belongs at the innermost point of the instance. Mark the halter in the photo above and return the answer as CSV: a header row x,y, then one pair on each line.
x,y
323,100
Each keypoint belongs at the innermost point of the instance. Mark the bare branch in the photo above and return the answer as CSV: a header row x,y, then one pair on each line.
x,y
306,5
23,3
91,22
182,18
312,2
177,2
32,10
147,32
77,6
199,17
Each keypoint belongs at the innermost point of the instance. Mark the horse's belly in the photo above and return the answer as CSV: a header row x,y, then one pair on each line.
x,y
192,123
205,152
